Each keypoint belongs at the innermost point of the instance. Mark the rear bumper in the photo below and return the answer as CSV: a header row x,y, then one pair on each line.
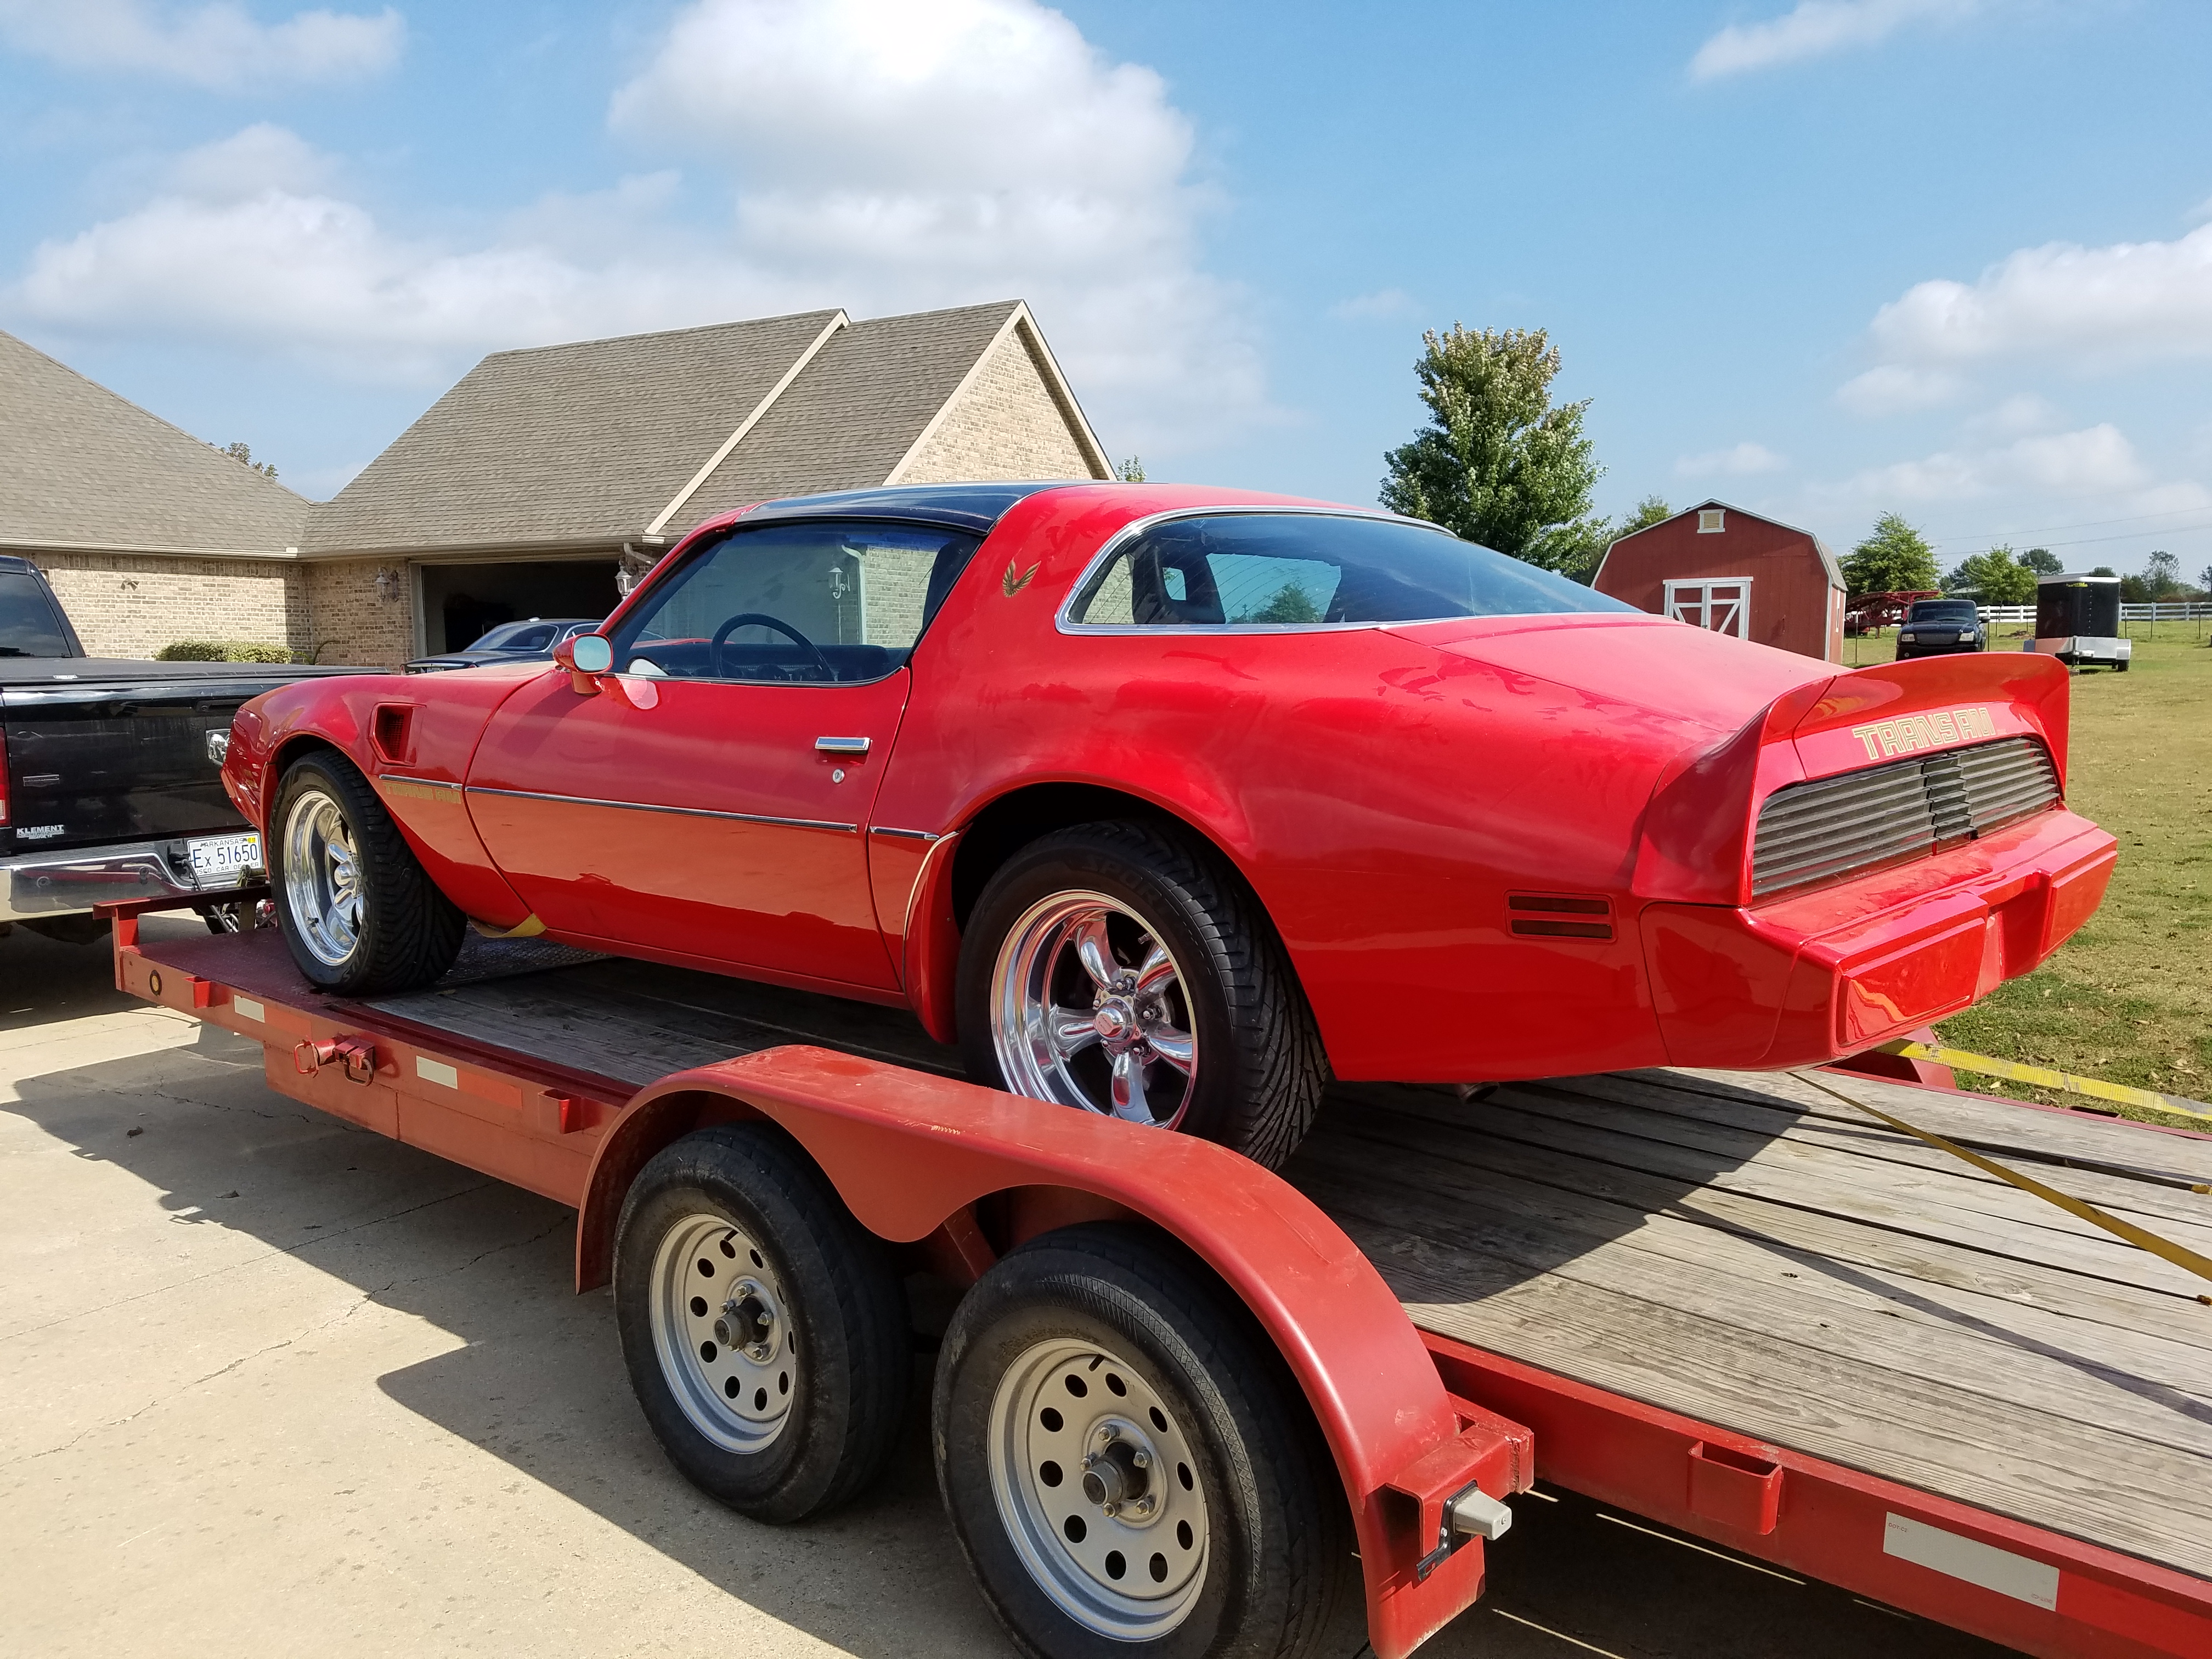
x,y
35,885
1811,979
2084,648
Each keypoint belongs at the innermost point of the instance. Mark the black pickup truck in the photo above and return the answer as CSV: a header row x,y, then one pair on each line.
x,y
110,777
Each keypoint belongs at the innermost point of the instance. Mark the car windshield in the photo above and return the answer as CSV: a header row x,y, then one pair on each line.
x,y
1288,570
1939,610
518,636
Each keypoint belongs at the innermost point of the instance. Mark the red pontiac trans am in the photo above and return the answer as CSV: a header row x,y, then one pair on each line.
x,y
1171,803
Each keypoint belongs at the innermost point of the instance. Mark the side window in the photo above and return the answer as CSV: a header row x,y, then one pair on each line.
x,y
819,603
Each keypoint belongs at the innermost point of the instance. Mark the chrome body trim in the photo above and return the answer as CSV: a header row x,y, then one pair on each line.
x,y
901,834
841,746
677,812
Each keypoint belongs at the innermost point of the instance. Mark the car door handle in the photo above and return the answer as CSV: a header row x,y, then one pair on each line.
x,y
841,745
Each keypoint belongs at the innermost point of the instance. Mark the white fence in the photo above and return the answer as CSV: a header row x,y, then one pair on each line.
x,y
2174,610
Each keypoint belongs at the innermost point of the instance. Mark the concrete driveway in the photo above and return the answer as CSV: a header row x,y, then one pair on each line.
x,y
276,1385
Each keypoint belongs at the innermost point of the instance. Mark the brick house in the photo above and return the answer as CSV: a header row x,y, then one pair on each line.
x,y
148,534
547,476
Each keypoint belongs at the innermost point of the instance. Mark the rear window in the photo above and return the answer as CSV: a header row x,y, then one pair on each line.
x,y
28,626
1290,570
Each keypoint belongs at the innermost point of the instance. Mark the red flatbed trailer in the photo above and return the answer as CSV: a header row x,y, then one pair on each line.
x,y
1944,1400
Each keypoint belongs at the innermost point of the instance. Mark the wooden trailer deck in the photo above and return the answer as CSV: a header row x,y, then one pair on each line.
x,y
1736,1247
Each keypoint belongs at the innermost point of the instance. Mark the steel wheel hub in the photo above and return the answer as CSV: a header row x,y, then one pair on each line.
x,y
322,878
1098,1490
1089,1009
721,1330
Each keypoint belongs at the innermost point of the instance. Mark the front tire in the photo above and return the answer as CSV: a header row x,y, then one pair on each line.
x,y
1127,1465
358,911
764,1329
1117,969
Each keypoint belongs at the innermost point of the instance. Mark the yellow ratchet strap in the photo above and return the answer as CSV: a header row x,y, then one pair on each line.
x,y
2180,1255
2044,1078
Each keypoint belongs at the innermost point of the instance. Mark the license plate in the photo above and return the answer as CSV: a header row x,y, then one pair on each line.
x,y
224,860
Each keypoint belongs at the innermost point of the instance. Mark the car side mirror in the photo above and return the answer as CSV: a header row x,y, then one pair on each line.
x,y
586,657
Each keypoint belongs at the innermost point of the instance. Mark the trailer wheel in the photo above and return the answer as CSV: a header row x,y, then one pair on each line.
x,y
764,1329
356,908
1126,1463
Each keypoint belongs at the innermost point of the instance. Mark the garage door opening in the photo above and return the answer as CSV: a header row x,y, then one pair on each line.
x,y
461,601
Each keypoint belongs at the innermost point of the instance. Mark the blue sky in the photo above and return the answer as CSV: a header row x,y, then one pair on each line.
x,y
1950,256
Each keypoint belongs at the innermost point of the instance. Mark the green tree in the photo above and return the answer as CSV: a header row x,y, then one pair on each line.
x,y
1895,558
1652,509
2162,576
1996,577
1131,471
1498,462
244,456
2104,571
1292,603
2042,560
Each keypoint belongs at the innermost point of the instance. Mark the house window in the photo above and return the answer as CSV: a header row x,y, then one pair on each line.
x,y
1721,604
1711,521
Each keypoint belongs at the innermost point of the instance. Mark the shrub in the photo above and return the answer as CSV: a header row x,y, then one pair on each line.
x,y
221,650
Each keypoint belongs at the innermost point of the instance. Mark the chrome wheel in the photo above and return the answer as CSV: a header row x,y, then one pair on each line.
x,y
1096,1486
1089,1009
722,1329
322,878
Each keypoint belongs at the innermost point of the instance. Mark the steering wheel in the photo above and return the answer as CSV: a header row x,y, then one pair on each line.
x,y
757,619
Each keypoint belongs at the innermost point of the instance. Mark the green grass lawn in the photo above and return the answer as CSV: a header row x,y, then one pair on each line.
x,y
2128,999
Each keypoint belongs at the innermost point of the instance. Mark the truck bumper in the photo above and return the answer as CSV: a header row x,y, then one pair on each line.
x,y
36,884
1811,979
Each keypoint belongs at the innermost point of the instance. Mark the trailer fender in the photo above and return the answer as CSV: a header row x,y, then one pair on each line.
x,y
909,1152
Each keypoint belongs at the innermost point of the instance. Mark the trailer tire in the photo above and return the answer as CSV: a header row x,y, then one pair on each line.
x,y
1103,1361
764,1329
357,910
1224,1048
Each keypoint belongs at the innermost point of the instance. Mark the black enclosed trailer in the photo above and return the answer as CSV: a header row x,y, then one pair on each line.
x,y
2078,620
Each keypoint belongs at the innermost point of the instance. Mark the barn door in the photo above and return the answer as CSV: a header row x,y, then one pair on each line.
x,y
1721,604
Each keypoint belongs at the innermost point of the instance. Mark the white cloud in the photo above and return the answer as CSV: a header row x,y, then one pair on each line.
x,y
2022,412
218,45
1383,305
1813,29
261,157
1892,388
905,154
2094,463
887,155
1742,460
2093,307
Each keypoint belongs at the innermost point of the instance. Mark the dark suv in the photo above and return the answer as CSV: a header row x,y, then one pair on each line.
x,y
1937,628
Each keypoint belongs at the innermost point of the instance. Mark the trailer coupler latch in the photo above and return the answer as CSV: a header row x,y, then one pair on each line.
x,y
1467,1513
356,1055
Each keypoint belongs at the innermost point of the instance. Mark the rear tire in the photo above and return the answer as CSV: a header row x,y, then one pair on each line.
x,y
1104,1353
358,911
1220,1045
764,1329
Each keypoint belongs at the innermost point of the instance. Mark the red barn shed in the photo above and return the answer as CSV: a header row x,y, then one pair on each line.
x,y
1719,567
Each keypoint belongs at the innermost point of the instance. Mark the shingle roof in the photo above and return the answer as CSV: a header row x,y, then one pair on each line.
x,y
564,443
81,467
860,406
